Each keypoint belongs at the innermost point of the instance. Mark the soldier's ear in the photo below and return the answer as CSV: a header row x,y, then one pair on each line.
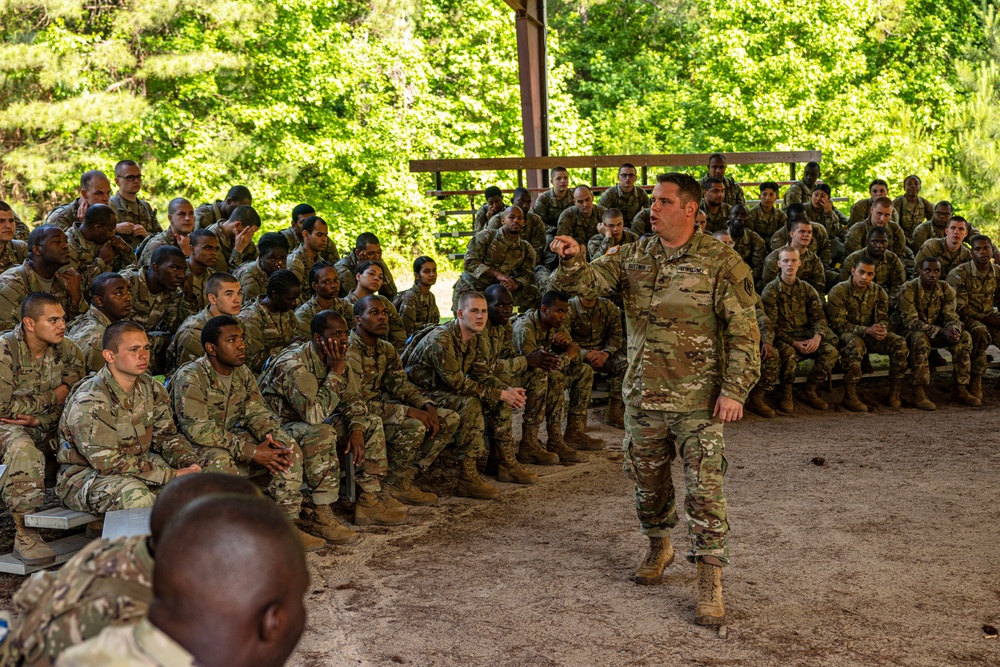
x,y
108,355
210,349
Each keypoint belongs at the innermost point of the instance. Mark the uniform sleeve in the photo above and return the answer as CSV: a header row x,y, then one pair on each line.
x,y
479,383
837,313
399,385
757,258
949,316
908,314
823,248
388,288
397,330
189,395
524,274
922,254
475,256
613,335
564,227
763,324
603,277
407,312
817,316
314,401
881,307
352,405
257,352
956,278
12,293
855,240
734,305
167,440
38,403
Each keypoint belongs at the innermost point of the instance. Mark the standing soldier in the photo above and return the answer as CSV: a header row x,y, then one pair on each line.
x,y
595,325
110,302
129,208
977,291
693,358
625,196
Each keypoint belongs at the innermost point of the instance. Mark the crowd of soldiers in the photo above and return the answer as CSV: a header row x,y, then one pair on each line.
x,y
281,356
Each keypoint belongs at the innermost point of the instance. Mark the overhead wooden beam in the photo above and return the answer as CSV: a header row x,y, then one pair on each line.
x,y
608,161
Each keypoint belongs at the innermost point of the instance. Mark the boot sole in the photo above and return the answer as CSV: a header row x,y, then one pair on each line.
x,y
710,620
45,560
377,522
653,581
515,480
416,503
535,461
476,496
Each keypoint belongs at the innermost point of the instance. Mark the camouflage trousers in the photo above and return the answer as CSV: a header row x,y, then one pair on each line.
x,y
546,393
649,450
920,347
21,451
465,422
407,440
825,356
285,489
613,369
770,371
982,336
499,425
85,490
854,348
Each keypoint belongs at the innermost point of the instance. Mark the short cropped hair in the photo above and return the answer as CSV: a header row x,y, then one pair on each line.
x,y
100,215
302,209
769,185
711,180
213,329
464,300
929,259
245,214
493,191
198,235
975,238
689,187
100,285
124,163
41,234
215,282
611,214
552,297
165,252
309,224
35,302
112,337
321,321
362,304
626,165
366,239
239,193
556,170
89,177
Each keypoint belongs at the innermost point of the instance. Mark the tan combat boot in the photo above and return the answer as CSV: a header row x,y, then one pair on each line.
x,y
557,445
614,415
405,492
471,485
961,395
576,433
787,403
370,510
895,401
509,470
812,399
326,525
851,401
709,609
920,399
29,547
757,404
530,451
659,555
976,386
309,542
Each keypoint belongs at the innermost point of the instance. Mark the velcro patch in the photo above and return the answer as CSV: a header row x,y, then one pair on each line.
x,y
637,267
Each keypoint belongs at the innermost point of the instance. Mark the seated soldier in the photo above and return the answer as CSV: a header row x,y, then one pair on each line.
x,y
640,223
180,224
801,190
950,250
303,386
222,291
417,306
765,218
367,281
546,328
118,442
733,193
45,270
820,210
494,205
159,305
533,231
272,255
934,228
235,236
500,256
723,235
747,242
820,243
925,314
310,251
207,215
714,205
129,209
110,302
366,249
95,248
611,233
889,272
218,407
977,291
596,326
580,220
201,266
12,251
881,216
770,366
550,204
293,234
449,366
858,310
254,611
808,268
625,196
861,210
796,312
38,366
269,321
913,209
325,296
95,188
414,428
108,583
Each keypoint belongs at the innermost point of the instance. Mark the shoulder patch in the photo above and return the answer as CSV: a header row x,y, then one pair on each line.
x,y
612,251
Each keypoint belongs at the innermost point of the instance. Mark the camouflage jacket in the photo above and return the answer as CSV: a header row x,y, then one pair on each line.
x,y
530,335
751,248
533,231
820,244
139,645
548,207
939,248
795,311
299,387
572,223
441,361
207,215
629,204
138,212
734,193
306,311
416,309
810,271
158,240
83,257
21,230
18,282
763,324
88,334
889,271
397,331
374,371
599,244
253,280
766,224
64,216
924,232
12,253
207,412
923,310
716,221
299,263
497,346
857,237
228,258
640,223
976,294
492,251
852,311
347,267
861,210
27,384
911,215
798,193
329,254
200,299
598,328
186,346
692,339
834,222
267,333
479,220
104,429
155,312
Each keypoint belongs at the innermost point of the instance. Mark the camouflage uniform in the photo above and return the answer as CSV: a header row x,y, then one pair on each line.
x,y
851,312
397,331
253,280
300,264
857,237
599,244
186,346
27,387
715,221
810,271
820,243
375,372
834,221
911,215
207,215
267,333
572,223
83,257
116,449
88,334
600,329
228,259
20,281
138,212
770,368
796,313
766,224
105,584
306,311
548,207
889,272
21,230
64,216
920,314
939,248
497,349
139,645
159,314
12,253
198,283
533,231
329,254
976,295
924,232
152,242
798,193
629,204
734,193
226,422
493,251
416,309
696,340
347,268
751,248
640,223
862,210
